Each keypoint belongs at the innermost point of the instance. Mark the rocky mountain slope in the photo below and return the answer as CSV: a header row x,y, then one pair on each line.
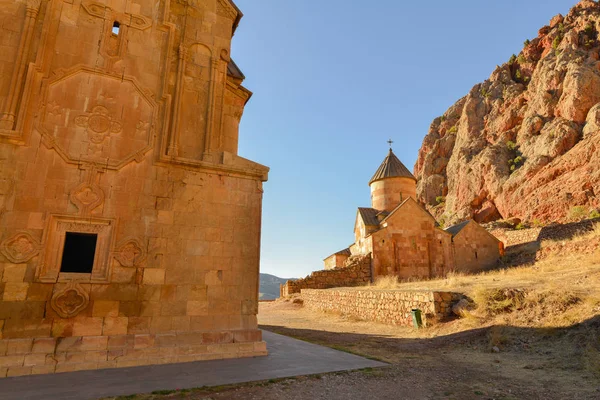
x,y
269,286
525,142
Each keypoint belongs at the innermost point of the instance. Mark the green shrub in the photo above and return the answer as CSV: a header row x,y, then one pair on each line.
x,y
511,146
453,130
521,59
537,223
527,42
594,214
518,75
440,199
512,59
578,213
518,160
520,226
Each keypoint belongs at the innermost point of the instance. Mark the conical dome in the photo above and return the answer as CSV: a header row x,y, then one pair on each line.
x,y
391,167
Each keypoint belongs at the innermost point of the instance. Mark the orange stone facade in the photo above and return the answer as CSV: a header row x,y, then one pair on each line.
x,y
119,122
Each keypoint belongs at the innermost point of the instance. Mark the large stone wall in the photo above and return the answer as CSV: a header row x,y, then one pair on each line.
x,y
357,273
386,306
119,121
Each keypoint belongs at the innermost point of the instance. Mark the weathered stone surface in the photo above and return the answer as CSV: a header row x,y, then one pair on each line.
x,y
392,307
525,138
130,138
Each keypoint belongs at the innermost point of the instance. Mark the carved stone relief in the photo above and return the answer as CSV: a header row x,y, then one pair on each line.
x,y
70,300
107,120
130,253
20,248
87,197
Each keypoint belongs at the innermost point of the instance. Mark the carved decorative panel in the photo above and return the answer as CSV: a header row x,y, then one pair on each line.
x,y
105,119
131,253
20,248
87,197
58,226
70,300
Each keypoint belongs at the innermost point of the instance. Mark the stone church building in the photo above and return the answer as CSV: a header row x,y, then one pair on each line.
x,y
405,240
129,225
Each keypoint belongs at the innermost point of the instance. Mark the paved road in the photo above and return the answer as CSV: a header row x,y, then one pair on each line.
x,y
287,357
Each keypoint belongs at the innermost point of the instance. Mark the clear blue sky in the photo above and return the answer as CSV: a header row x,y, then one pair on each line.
x,y
334,79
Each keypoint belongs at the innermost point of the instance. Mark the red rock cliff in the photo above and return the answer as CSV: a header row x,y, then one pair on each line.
x,y
523,143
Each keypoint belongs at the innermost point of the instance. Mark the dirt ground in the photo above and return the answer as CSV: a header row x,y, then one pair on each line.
x,y
540,364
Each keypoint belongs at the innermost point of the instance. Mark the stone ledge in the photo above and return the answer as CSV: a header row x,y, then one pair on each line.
x,y
121,351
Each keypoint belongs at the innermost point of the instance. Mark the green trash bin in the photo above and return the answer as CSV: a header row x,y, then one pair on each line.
x,y
416,316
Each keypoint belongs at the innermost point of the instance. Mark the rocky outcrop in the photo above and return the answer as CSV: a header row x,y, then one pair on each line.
x,y
523,143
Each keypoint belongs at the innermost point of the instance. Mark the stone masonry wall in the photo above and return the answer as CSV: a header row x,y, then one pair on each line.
x,y
386,306
119,124
357,273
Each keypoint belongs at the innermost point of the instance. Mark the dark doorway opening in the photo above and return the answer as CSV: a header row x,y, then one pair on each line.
x,y
79,252
116,28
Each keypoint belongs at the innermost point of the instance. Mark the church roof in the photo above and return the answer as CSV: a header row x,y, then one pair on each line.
x,y
369,216
391,167
235,71
455,229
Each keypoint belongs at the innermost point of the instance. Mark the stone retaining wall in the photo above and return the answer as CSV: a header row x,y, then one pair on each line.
x,y
386,306
357,273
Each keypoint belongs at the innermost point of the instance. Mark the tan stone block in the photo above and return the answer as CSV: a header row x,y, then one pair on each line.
x,y
3,347
96,356
18,371
260,347
115,326
203,323
34,359
44,345
150,308
12,361
43,369
217,337
105,308
120,342
123,275
173,309
197,308
36,220
191,338
165,217
15,291
166,340
161,324
149,293
91,343
87,327
14,273
107,364
64,344
168,293
181,324
39,292
19,346
143,341
74,357
154,276
138,325
3,371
